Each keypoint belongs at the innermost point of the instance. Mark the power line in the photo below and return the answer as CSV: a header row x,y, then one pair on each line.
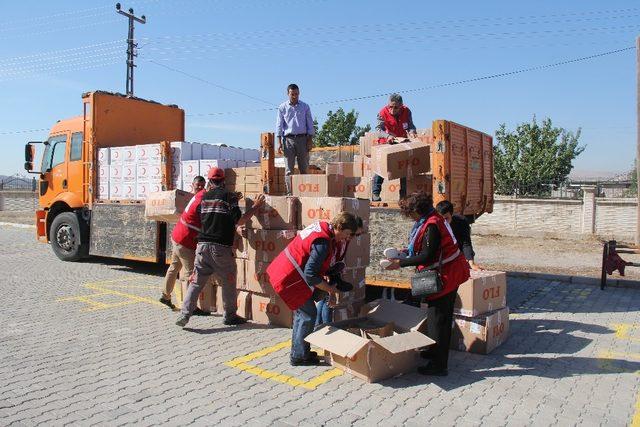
x,y
237,92
448,84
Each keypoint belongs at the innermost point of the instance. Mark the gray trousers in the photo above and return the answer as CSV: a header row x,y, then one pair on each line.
x,y
213,259
295,147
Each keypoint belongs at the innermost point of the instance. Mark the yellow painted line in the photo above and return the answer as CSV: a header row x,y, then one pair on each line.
x,y
241,364
123,294
78,297
107,306
102,288
623,330
635,421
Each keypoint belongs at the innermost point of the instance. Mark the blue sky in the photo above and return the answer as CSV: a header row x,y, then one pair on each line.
x,y
51,52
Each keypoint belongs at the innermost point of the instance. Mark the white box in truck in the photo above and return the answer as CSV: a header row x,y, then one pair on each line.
x,y
180,151
129,154
210,152
148,153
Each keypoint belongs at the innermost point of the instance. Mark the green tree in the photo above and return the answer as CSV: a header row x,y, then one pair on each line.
x,y
529,159
339,129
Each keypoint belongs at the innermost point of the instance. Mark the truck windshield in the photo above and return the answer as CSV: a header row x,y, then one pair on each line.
x,y
50,151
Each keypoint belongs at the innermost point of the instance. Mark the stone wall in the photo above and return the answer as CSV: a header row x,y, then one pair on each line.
x,y
18,201
567,219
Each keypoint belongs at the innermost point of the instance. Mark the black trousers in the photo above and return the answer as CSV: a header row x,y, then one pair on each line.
x,y
439,320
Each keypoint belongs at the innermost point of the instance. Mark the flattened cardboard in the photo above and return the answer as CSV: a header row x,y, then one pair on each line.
x,y
485,291
480,334
316,185
166,206
314,209
400,160
277,213
380,357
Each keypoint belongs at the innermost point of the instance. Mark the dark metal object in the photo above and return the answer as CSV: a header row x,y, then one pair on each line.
x,y
131,44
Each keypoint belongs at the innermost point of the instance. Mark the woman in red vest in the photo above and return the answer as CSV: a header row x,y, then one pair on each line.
x,y
300,269
431,238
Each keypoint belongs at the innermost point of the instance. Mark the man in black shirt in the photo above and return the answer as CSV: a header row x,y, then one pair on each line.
x,y
461,230
220,215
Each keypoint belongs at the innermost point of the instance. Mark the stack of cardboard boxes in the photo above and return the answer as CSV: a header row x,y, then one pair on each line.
x,y
481,320
134,172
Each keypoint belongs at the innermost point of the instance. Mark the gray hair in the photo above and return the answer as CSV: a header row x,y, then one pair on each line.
x,y
394,97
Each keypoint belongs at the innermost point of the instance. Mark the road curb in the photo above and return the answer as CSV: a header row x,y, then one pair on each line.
x,y
578,280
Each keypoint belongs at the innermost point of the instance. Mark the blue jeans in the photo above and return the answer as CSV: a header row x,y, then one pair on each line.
x,y
304,320
325,313
377,186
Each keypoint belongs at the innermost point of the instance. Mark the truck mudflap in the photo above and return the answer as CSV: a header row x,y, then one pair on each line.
x,y
120,230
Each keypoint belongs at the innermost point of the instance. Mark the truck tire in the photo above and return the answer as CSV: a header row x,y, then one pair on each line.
x,y
68,236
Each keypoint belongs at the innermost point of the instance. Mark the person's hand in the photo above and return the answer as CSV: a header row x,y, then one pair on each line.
x,y
395,264
390,139
259,201
474,266
280,150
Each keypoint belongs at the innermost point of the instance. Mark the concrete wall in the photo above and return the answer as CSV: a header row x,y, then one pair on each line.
x,y
18,201
569,219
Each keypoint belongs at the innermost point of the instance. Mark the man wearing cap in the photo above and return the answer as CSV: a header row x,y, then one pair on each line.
x,y
394,121
219,215
183,242
295,124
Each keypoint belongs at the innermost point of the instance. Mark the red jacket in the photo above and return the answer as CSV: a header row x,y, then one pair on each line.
x,y
286,272
396,126
186,230
455,268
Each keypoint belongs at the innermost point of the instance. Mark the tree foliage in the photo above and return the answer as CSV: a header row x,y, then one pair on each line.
x,y
339,129
533,158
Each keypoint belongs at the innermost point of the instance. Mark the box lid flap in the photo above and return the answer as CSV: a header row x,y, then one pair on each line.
x,y
337,341
404,316
403,342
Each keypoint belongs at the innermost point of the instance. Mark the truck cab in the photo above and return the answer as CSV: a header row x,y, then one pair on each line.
x,y
67,184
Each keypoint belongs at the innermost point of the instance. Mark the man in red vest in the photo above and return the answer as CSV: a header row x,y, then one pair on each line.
x,y
394,121
183,242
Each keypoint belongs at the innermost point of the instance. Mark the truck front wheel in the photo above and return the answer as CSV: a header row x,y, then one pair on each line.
x,y
68,237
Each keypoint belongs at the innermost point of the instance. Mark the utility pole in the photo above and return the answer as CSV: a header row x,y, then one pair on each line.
x,y
638,140
131,45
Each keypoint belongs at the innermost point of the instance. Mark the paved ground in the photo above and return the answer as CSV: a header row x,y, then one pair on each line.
x,y
87,344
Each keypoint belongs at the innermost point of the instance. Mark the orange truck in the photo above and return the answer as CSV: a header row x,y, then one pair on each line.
x,y
70,216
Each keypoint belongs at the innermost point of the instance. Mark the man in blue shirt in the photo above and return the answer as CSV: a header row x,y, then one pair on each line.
x,y
295,125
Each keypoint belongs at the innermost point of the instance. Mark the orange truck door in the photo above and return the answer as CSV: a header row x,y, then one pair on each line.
x,y
54,169
75,171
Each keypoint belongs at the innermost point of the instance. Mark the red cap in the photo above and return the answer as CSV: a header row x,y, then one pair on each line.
x,y
216,173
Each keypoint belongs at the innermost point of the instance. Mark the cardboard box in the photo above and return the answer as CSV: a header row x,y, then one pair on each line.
x,y
129,154
480,334
206,299
103,190
314,209
116,190
240,245
346,311
314,185
143,189
485,291
103,173
241,273
372,355
243,301
257,279
115,155
148,153
358,251
129,173
390,191
355,276
104,158
277,213
270,310
358,187
196,151
129,190
418,183
166,205
400,160
115,173
190,169
180,151
210,151
251,155
347,169
265,245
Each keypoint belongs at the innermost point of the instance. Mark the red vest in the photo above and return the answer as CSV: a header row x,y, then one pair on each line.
x,y
455,268
396,126
286,272
186,230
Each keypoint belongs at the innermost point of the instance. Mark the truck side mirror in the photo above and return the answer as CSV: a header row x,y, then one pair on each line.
x,y
30,155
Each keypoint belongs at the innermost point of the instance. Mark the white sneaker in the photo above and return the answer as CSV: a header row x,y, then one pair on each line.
x,y
384,263
392,253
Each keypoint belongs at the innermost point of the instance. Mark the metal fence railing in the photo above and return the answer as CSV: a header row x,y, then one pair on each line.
x,y
571,190
18,183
